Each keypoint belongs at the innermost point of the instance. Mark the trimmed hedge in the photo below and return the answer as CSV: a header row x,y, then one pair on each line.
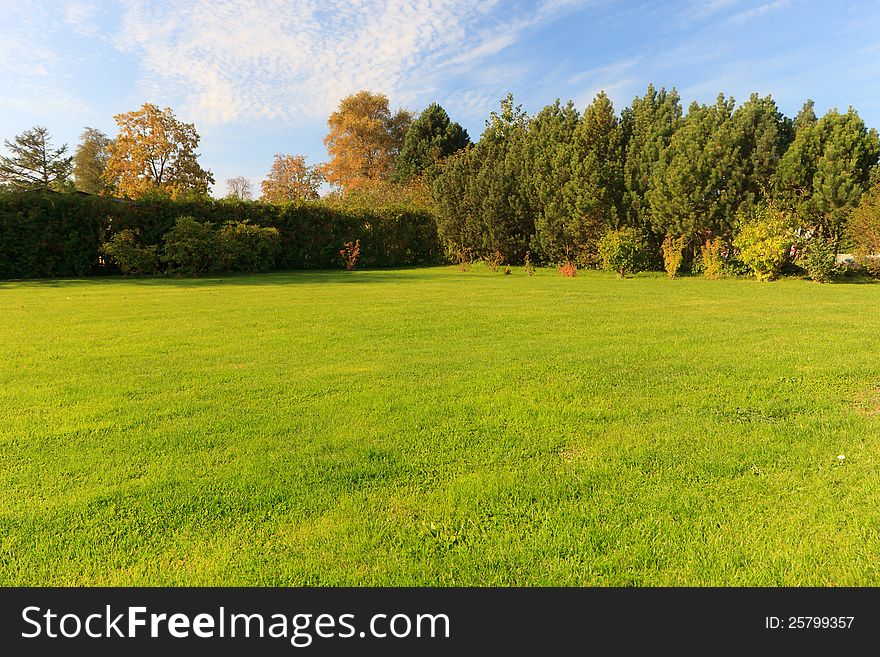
x,y
49,234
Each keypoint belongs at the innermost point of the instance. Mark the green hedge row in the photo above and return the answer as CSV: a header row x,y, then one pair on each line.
x,y
51,235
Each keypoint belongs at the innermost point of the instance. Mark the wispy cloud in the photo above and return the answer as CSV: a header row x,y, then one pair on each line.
x,y
275,59
760,10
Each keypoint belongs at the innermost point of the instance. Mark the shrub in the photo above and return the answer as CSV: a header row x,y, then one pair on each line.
x,y
132,257
864,229
672,255
494,261
350,252
242,246
818,259
621,251
763,241
710,259
529,266
568,269
190,247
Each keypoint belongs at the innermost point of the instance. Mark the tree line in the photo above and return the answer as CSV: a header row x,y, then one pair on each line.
x,y
546,187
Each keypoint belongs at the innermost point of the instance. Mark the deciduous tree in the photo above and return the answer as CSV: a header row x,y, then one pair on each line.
x,y
291,179
364,140
90,162
239,188
155,152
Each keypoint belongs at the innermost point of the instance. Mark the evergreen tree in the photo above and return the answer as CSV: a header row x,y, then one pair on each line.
x,y
647,128
33,164
826,170
429,139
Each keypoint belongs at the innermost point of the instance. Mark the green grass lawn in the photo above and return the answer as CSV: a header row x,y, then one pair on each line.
x,y
428,427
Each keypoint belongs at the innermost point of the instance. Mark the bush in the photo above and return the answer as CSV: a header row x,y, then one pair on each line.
x,y
864,229
350,253
190,247
763,241
818,260
245,247
672,255
621,251
125,250
710,259
567,269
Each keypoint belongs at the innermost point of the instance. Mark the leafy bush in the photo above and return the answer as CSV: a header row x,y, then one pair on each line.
x,y
190,247
125,250
672,255
710,259
245,247
621,251
864,229
818,260
350,253
528,264
763,241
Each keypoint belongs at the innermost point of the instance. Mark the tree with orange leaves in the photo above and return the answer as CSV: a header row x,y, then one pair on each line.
x,y
291,179
155,152
364,139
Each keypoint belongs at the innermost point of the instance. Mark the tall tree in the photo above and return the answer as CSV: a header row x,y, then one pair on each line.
x,y
430,138
696,187
155,152
90,162
647,128
239,188
826,170
33,164
291,179
364,140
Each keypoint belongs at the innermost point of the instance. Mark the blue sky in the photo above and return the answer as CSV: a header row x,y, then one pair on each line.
x,y
260,77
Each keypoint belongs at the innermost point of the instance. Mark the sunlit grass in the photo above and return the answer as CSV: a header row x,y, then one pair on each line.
x,y
425,426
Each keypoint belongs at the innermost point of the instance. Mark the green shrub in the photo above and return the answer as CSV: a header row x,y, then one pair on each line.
x,y
763,241
190,247
242,246
132,257
672,255
621,251
818,260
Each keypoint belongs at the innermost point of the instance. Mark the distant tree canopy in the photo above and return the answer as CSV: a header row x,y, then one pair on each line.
x,y
430,138
291,179
33,164
364,140
90,162
155,152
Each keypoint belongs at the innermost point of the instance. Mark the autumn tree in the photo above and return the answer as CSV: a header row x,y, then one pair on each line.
x,y
364,140
90,162
291,179
239,188
33,164
430,138
155,152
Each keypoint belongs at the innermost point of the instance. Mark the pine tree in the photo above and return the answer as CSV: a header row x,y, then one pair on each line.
x,y
33,164
429,139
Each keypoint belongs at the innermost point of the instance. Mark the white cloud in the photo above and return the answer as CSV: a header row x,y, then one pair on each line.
x,y
277,59
758,11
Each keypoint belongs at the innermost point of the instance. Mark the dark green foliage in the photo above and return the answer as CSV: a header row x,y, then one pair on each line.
x,y
50,234
242,246
826,170
191,247
429,139
818,259
125,250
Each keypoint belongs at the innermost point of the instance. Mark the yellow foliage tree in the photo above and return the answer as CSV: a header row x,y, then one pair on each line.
x,y
364,139
155,152
291,179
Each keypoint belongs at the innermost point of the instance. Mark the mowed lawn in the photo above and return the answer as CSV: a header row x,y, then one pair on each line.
x,y
429,427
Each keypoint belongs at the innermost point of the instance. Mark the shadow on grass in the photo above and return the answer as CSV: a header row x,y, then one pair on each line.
x,y
298,277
